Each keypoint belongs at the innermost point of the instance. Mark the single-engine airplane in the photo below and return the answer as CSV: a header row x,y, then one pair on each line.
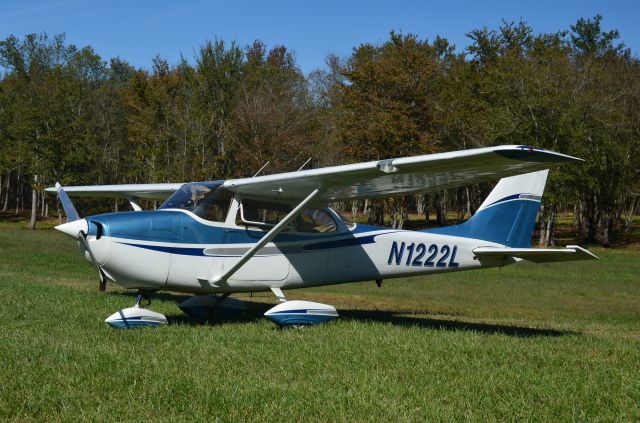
x,y
277,232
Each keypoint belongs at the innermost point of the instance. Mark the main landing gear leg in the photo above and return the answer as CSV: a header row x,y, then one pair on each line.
x,y
137,316
143,295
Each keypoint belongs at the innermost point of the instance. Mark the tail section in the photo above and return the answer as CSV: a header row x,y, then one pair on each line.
x,y
508,214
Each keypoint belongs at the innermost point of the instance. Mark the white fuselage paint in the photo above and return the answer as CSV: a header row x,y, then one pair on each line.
x,y
383,254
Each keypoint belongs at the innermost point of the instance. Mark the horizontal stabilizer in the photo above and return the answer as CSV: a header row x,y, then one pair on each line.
x,y
538,255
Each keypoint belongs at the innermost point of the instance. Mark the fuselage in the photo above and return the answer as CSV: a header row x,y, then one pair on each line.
x,y
174,249
276,231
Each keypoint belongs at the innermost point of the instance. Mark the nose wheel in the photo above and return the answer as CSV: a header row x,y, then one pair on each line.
x,y
137,316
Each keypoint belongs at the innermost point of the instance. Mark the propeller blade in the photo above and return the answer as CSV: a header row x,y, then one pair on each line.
x,y
67,205
73,223
82,237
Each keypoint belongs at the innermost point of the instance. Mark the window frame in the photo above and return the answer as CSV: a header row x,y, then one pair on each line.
x,y
223,200
248,222
325,212
236,217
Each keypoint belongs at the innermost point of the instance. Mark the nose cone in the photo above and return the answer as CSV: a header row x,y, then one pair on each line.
x,y
72,228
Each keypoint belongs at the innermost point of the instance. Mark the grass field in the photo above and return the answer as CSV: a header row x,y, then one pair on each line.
x,y
523,343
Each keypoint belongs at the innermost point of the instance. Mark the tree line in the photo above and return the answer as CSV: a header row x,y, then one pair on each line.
x,y
68,115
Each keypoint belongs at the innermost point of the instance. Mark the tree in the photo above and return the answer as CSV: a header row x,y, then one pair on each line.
x,y
590,41
273,117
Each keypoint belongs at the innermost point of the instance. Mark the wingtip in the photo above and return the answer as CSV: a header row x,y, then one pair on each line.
x,y
584,251
570,159
530,153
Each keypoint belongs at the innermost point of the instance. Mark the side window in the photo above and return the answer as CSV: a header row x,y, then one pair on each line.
x,y
347,222
262,212
214,206
315,221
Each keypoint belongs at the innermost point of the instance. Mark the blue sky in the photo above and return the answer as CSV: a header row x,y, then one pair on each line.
x,y
139,30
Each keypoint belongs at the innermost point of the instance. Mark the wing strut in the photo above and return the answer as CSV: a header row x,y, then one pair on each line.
x,y
265,239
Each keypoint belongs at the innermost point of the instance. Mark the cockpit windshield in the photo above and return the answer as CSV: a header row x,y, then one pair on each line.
x,y
208,200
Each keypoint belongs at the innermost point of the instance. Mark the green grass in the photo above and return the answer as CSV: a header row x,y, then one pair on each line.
x,y
523,343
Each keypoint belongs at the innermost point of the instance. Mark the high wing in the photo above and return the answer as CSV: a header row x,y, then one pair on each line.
x,y
130,191
406,175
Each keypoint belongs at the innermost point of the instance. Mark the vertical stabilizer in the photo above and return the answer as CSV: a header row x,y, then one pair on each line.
x,y
508,214
529,186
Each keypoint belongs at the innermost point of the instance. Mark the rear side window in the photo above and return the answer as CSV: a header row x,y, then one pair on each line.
x,y
259,212
315,221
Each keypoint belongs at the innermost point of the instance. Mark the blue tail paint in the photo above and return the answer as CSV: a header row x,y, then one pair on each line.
x,y
508,214
509,223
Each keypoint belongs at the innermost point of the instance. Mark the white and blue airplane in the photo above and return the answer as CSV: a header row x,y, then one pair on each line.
x,y
276,232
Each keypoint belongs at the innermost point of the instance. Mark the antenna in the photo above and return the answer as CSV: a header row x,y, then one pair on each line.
x,y
261,169
305,163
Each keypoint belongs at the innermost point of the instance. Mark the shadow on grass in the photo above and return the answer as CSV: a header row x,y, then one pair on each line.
x,y
400,318
256,310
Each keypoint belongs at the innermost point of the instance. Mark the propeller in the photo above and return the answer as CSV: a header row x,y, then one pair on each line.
x,y
67,205
82,237
75,223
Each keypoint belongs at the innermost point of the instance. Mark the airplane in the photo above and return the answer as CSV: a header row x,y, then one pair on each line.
x,y
277,232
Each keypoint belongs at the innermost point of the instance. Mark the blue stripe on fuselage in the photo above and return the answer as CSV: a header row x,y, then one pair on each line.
x,y
171,250
348,241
